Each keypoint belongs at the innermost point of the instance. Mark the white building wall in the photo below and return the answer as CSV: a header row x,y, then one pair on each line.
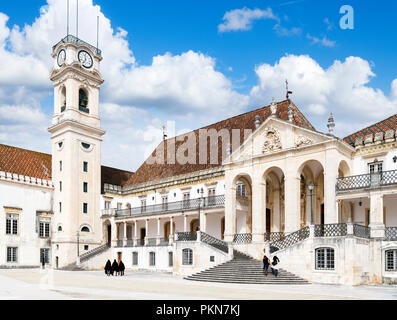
x,y
30,199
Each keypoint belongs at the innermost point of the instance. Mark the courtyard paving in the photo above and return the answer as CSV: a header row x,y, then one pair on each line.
x,y
38,284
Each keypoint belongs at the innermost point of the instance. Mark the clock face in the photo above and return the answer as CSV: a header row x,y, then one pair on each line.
x,y
85,59
61,57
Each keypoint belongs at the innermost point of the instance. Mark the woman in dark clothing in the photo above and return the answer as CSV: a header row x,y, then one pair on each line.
x,y
275,262
108,268
121,268
266,263
115,268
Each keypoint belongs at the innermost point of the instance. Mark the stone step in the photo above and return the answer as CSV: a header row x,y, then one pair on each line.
x,y
249,282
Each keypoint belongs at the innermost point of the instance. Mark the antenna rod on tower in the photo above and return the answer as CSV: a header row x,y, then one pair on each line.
x,y
67,31
97,33
77,20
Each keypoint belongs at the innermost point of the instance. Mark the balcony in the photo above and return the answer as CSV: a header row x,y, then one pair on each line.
x,y
367,181
170,207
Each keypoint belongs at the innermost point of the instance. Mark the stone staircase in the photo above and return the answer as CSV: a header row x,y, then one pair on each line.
x,y
245,270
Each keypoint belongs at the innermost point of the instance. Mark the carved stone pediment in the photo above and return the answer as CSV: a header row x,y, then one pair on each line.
x,y
272,140
303,141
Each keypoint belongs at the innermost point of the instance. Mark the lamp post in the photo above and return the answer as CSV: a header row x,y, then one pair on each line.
x,y
200,200
78,244
311,188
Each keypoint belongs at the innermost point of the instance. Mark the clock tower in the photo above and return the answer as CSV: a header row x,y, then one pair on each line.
x,y
76,137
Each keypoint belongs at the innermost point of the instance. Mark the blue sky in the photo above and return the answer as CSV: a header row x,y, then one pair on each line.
x,y
155,28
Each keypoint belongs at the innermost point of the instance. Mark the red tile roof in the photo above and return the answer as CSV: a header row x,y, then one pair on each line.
x,y
382,126
154,172
38,165
25,162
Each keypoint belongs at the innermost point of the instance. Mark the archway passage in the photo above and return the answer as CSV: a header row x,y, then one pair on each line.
x,y
274,210
107,232
311,201
243,218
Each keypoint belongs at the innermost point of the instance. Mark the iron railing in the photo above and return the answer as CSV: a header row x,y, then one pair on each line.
x,y
361,231
391,233
119,243
273,236
164,242
94,252
72,39
108,212
214,242
242,238
130,243
290,240
186,205
367,181
330,230
140,242
151,242
186,236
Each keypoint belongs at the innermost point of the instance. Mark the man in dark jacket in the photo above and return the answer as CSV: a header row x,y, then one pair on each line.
x,y
108,268
121,268
115,268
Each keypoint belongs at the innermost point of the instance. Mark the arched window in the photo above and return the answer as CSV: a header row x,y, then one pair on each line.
x,y
60,229
152,259
85,229
63,99
83,101
187,257
391,260
325,259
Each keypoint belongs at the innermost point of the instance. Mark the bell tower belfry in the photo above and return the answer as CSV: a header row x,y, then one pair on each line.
x,y
76,138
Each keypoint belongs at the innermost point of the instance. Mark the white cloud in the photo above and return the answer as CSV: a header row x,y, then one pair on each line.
x,y
344,89
285,32
242,19
324,41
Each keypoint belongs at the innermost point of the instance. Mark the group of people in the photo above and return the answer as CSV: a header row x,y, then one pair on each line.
x,y
114,269
273,265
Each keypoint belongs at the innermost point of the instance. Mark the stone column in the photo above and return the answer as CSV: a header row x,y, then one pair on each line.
x,y
147,231
185,223
292,202
203,221
330,177
258,209
171,238
125,238
114,233
376,224
135,233
230,210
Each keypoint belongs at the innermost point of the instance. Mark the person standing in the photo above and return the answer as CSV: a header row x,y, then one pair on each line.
x,y
108,268
115,268
121,268
275,263
266,263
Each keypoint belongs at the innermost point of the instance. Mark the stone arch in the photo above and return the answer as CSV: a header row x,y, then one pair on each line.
x,y
83,99
107,231
311,171
274,219
62,98
243,208
343,169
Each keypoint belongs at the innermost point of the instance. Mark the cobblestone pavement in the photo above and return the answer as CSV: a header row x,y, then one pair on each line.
x,y
54,285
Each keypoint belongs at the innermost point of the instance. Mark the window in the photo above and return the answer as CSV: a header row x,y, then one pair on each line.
x,y
83,101
325,259
391,260
152,259
375,167
86,145
143,205
12,255
135,258
60,165
187,257
60,229
85,229
211,196
186,200
60,186
119,205
60,207
107,205
164,203
86,247
12,224
85,166
170,259
85,187
241,190
44,231
85,207
45,254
